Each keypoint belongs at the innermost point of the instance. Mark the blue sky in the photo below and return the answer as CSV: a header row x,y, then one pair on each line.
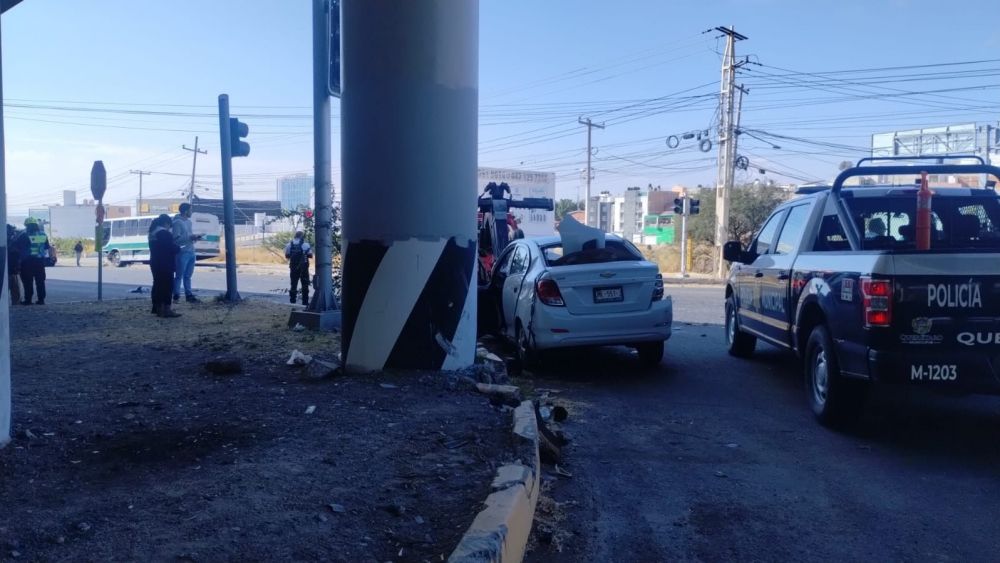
x,y
643,66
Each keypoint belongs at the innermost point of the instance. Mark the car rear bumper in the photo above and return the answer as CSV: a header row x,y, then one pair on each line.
x,y
554,327
944,369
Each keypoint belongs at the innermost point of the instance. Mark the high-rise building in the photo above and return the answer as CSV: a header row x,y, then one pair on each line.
x,y
295,191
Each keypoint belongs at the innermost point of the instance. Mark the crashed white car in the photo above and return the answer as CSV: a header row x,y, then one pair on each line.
x,y
559,292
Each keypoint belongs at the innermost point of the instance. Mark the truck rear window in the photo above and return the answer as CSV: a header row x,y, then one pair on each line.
x,y
613,251
957,222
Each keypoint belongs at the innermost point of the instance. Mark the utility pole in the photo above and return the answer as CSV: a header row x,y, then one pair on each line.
x,y
590,174
194,165
727,142
141,173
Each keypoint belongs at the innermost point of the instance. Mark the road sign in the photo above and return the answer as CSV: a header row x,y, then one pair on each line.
x,y
334,78
98,180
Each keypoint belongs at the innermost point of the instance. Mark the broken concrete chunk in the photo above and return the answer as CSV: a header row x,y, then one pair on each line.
x,y
298,359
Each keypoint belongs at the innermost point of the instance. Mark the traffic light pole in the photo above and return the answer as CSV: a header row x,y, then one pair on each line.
x,y
225,137
321,161
684,236
409,104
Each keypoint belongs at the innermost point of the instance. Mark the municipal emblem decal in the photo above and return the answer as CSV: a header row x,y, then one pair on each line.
x,y
921,325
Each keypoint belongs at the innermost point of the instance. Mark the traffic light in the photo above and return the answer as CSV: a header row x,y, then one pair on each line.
x,y
237,131
693,207
678,206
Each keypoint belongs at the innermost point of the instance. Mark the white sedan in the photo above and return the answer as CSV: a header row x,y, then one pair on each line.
x,y
594,297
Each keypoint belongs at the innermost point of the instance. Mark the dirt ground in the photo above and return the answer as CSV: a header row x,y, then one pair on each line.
x,y
126,448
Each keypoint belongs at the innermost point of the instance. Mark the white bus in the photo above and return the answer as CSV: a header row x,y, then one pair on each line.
x,y
126,239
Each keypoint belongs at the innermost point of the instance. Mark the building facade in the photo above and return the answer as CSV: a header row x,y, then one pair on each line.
x,y
296,191
633,214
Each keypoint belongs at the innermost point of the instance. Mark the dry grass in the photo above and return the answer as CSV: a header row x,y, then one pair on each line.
x,y
252,255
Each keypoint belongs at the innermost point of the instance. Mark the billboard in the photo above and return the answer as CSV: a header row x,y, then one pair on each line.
x,y
933,141
525,183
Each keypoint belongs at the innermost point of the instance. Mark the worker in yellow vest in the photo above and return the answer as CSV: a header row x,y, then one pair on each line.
x,y
33,247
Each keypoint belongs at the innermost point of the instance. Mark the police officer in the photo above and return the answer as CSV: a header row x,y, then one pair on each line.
x,y
298,252
33,247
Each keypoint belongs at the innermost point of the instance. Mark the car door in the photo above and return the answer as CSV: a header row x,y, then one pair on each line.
x,y
775,305
501,269
750,275
512,284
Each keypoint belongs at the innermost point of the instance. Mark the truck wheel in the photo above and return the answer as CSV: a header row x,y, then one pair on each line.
x,y
739,343
650,353
833,398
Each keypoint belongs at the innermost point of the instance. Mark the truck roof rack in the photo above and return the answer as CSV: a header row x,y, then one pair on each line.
x,y
851,229
939,159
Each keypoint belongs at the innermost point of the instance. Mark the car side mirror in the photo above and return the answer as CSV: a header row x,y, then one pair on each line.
x,y
732,251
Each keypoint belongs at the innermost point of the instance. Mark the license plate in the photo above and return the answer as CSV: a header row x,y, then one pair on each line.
x,y
608,294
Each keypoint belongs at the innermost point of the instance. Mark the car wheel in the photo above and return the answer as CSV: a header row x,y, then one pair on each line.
x,y
739,343
115,258
525,351
650,353
833,398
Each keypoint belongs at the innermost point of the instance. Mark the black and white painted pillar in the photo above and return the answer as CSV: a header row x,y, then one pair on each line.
x,y
409,106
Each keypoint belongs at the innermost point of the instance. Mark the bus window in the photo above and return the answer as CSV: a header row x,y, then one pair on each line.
x,y
107,231
144,224
131,227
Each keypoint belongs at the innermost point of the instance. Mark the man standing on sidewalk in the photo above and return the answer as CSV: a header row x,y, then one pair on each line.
x,y
184,237
298,252
33,248
78,249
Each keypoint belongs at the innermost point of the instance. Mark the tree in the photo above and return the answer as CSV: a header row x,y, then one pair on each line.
x,y
564,206
305,220
749,207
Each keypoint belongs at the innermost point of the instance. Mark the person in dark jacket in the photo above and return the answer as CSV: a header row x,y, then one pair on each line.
x,y
78,249
13,265
162,261
33,249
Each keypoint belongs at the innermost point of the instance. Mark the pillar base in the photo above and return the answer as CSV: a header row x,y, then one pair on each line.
x,y
323,320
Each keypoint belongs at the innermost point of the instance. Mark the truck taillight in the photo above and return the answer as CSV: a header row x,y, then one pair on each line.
x,y
658,288
877,297
548,292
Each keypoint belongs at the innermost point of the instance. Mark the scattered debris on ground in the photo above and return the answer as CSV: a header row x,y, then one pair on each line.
x,y
125,450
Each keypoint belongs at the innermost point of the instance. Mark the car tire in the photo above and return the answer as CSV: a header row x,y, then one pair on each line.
x,y
650,353
739,343
115,258
833,398
525,351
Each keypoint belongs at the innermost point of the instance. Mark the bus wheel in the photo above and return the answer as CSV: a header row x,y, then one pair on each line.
x,y
115,258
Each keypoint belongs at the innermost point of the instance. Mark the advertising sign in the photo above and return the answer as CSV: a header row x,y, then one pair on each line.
x,y
525,183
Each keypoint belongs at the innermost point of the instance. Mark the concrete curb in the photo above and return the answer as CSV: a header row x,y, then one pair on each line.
x,y
499,534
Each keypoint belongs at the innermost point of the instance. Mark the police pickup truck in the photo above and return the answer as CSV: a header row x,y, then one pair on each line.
x,y
876,284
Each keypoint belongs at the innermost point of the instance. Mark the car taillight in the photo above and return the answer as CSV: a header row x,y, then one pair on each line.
x,y
658,288
548,292
877,297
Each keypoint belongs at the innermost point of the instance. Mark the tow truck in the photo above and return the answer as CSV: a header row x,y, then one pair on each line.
x,y
876,284
497,227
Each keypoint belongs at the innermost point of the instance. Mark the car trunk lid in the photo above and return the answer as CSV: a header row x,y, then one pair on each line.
x,y
612,287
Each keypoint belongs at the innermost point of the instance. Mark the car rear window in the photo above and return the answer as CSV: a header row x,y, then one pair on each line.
x,y
613,251
957,222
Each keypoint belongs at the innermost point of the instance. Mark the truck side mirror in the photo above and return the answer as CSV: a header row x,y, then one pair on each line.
x,y
732,251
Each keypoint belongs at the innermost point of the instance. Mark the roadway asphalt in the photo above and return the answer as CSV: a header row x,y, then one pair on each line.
x,y
66,282
713,458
